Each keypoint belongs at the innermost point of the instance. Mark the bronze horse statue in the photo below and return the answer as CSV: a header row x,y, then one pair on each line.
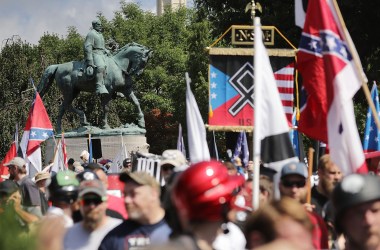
x,y
71,79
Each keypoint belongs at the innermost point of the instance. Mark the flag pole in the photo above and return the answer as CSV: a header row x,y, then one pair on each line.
x,y
357,62
310,171
257,129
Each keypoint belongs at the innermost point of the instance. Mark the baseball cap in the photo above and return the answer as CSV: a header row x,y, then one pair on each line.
x,y
294,168
173,157
17,161
41,176
94,187
139,177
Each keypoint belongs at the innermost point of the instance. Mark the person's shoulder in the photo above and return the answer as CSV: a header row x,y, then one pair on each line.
x,y
114,221
73,230
122,229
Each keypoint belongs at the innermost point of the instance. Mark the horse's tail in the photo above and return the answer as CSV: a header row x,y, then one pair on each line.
x,y
47,79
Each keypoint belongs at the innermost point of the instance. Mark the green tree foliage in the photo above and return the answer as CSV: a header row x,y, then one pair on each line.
x,y
161,89
178,39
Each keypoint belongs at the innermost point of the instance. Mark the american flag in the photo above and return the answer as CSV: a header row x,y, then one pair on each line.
x,y
285,84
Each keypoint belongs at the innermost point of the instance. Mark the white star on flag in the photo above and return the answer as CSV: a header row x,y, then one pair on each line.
x,y
343,51
213,85
376,139
330,41
371,128
213,96
33,134
367,138
213,75
313,44
45,135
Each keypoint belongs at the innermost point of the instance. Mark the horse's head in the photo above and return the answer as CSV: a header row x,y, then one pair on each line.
x,y
133,58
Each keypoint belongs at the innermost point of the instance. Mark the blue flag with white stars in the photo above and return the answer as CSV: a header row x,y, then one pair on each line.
x,y
371,134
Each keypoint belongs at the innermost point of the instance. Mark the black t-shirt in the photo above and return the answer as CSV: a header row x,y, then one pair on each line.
x,y
132,236
318,199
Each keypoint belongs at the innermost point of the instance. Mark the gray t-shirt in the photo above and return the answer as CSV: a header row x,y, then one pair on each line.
x,y
77,237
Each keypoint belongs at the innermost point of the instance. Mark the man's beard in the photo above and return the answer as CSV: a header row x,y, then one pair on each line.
x,y
328,187
91,222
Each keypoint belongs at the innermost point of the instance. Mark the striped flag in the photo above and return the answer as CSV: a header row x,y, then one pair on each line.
x,y
285,84
371,140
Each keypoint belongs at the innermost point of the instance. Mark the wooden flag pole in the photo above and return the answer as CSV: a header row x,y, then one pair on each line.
x,y
357,62
310,171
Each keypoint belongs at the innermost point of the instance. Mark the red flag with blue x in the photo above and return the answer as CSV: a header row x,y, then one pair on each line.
x,y
330,79
38,125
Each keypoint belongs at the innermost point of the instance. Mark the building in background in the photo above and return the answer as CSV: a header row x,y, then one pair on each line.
x,y
174,4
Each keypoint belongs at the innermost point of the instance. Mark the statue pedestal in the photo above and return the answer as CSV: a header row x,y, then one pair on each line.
x,y
110,145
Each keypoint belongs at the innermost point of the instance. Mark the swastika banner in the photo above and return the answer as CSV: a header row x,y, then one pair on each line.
x,y
231,87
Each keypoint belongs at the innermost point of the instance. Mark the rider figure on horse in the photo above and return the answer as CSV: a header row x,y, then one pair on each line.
x,y
95,55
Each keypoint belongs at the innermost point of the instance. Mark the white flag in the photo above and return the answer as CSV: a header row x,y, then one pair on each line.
x,y
117,163
198,148
272,143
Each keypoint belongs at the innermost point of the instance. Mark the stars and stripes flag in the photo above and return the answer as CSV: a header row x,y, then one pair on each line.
x,y
285,84
371,141
330,79
37,129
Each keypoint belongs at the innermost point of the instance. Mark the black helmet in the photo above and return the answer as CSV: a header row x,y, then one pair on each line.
x,y
354,189
63,186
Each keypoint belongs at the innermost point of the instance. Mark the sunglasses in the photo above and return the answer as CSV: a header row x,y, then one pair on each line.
x,y
297,184
91,201
167,167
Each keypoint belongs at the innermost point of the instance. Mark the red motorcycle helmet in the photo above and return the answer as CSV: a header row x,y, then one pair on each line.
x,y
204,190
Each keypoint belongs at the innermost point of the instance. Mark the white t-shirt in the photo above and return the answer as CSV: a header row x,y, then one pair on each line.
x,y
77,237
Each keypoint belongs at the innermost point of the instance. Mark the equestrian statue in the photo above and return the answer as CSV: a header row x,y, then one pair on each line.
x,y
101,73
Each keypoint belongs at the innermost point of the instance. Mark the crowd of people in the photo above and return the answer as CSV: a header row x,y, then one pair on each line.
x,y
205,205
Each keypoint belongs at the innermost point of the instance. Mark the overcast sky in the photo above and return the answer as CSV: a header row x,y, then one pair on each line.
x,y
29,19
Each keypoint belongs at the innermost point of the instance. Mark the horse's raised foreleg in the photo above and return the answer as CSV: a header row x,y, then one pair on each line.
x,y
141,120
105,99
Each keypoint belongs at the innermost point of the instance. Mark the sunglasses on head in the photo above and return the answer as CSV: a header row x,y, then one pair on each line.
x,y
91,201
297,184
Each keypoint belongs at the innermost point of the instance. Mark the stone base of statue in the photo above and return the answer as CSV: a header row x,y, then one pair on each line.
x,y
106,142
